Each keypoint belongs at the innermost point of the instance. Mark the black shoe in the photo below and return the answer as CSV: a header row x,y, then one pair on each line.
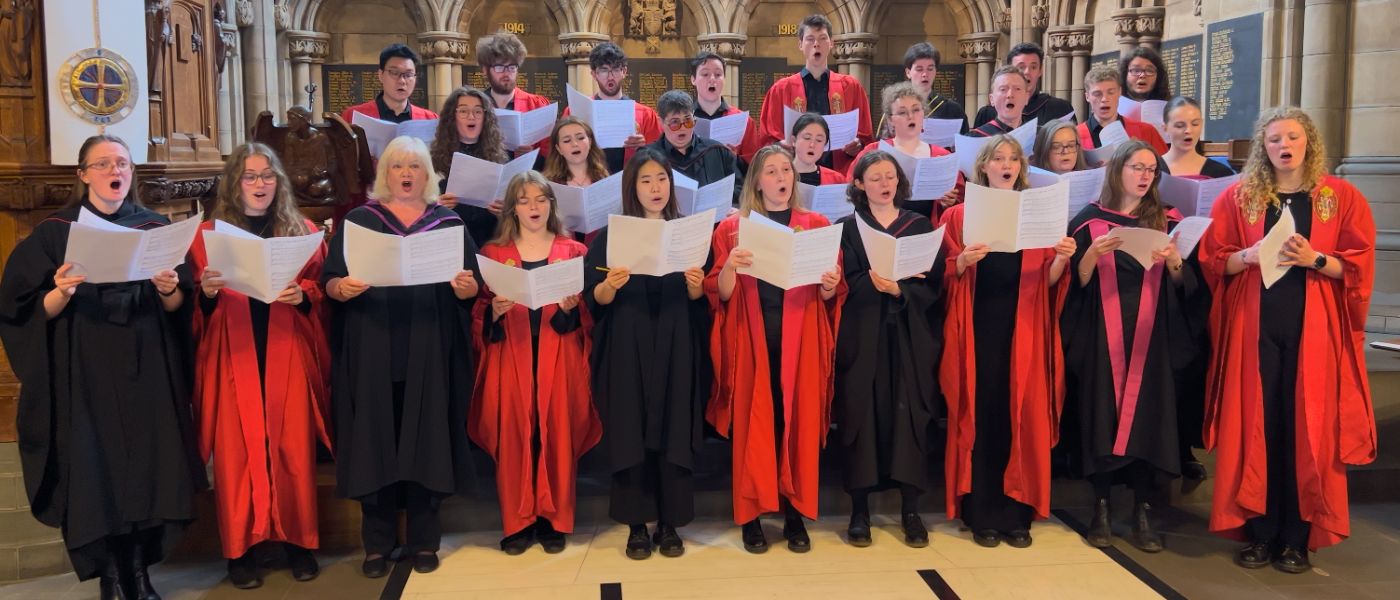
x,y
375,566
1193,470
243,573
1100,533
1253,556
987,538
1144,538
858,532
110,588
754,541
1292,560
796,533
303,563
639,543
1018,538
517,543
915,534
668,541
425,562
140,578
552,541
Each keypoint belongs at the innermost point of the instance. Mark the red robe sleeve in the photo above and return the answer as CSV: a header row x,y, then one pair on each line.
x,y
785,92
829,176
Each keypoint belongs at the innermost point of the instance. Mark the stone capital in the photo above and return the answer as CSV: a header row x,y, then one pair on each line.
x,y
243,12
1071,40
1040,14
281,15
730,46
979,47
229,33
308,46
1132,24
854,48
443,47
574,47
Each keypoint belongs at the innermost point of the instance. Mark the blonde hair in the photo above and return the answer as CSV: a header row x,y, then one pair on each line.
x,y
229,207
1105,73
508,225
399,148
989,150
1258,184
751,199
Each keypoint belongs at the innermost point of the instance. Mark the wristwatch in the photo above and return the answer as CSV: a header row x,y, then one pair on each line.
x,y
1320,263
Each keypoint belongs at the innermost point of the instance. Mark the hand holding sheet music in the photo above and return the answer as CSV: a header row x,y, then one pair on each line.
x,y
1271,250
480,182
786,258
1009,221
657,247
1140,243
586,209
895,258
843,126
256,267
613,121
105,252
534,288
378,132
386,260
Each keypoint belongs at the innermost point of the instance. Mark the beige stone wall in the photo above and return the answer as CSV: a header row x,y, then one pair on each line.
x,y
908,22
358,35
763,24
541,37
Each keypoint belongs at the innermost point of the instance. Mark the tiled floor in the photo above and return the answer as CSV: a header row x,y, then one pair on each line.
x,y
1058,566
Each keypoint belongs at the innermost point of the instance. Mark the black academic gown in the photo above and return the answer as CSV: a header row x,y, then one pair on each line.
x,y
887,353
1152,437
651,374
106,438
402,373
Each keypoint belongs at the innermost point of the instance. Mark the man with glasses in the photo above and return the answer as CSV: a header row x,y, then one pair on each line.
x,y
921,62
398,75
500,56
1029,59
702,159
609,67
1101,91
817,89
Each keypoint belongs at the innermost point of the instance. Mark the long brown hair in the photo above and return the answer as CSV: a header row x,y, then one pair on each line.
x,y
989,150
508,225
1149,212
80,190
631,206
751,199
556,169
857,196
489,145
1040,156
229,207
1258,183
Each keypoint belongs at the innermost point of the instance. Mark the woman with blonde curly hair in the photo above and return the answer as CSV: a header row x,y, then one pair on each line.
x,y
1285,492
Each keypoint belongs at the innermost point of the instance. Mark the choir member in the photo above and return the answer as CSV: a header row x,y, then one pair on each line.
x,y
468,125
532,410
1183,136
903,109
575,158
1122,347
651,372
260,379
1008,95
400,420
500,56
1143,75
1281,485
775,412
608,65
921,63
707,75
702,159
1029,59
106,441
1002,308
1057,148
809,135
1102,91
887,349
816,88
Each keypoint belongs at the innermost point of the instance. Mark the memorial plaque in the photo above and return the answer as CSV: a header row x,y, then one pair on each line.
x,y
1108,59
544,76
343,86
756,75
949,83
648,78
1183,59
1234,51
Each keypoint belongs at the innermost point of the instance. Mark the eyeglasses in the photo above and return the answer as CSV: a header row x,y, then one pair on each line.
x,y
609,71
905,114
108,165
1140,169
401,75
265,176
1141,72
505,68
1063,148
470,112
687,122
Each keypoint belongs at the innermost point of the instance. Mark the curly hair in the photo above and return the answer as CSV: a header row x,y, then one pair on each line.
x,y
1162,90
500,47
229,207
1258,183
489,145
895,92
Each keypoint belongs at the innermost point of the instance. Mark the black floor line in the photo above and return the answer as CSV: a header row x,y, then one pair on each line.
x,y
610,591
398,579
940,588
1123,560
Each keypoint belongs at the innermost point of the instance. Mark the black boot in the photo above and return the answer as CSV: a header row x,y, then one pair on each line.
x,y
668,541
754,541
140,578
858,531
111,583
796,533
639,544
302,562
915,534
243,573
1100,531
1144,537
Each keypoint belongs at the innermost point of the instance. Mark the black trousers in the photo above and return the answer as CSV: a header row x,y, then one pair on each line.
x,y
1278,369
379,525
1137,474
654,490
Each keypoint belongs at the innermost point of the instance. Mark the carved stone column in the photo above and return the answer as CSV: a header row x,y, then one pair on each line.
x,y
231,131
853,54
258,58
574,48
1071,46
444,52
979,53
730,47
1138,27
305,49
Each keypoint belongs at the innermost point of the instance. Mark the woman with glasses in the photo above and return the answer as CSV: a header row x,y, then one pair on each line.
x,y
702,159
1121,344
1143,75
260,380
1057,148
904,112
105,436
468,125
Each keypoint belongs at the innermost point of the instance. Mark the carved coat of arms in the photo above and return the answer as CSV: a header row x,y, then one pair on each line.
x,y
651,20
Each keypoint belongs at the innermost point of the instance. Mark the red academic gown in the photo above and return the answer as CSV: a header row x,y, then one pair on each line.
x,y
753,137
248,428
741,404
845,94
370,109
1335,423
933,151
648,124
830,176
510,399
1037,383
1136,130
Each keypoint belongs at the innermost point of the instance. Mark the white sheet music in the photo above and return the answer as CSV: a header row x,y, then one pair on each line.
x,y
899,258
613,121
728,130
1009,221
1188,233
966,150
109,253
786,258
829,200
387,260
843,126
1140,242
929,177
378,132
692,198
586,209
1025,134
1043,217
1084,188
1271,251
526,128
1193,196
256,267
479,182
941,132
535,288
657,247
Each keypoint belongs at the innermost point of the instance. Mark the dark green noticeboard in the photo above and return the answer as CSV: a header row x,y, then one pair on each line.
x,y
343,86
1234,51
1183,59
